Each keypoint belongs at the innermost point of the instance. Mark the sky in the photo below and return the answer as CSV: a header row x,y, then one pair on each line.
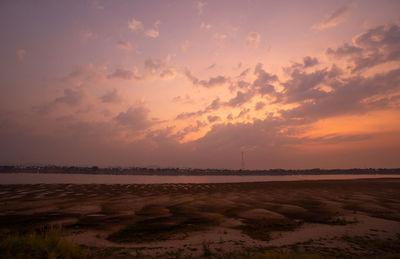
x,y
182,83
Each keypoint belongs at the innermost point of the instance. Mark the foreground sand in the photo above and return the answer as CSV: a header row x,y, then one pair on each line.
x,y
331,218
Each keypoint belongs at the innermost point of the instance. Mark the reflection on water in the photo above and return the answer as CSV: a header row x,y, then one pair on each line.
x,y
26,178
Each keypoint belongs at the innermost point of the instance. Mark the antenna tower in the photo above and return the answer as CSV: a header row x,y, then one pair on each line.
x,y
242,160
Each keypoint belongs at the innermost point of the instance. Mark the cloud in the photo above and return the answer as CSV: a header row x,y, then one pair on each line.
x,y
373,47
200,7
253,40
153,32
96,5
84,74
241,98
21,54
336,138
220,38
211,82
72,96
184,46
154,65
211,66
187,115
213,106
259,106
168,73
214,118
135,25
303,86
310,61
159,67
261,86
180,99
242,113
263,77
125,45
111,97
87,35
205,26
136,118
190,129
151,67
349,96
333,19
125,74
263,81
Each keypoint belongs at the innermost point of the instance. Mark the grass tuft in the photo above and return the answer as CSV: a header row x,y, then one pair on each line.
x,y
46,243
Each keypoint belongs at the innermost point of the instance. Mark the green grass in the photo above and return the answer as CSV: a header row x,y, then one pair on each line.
x,y
47,243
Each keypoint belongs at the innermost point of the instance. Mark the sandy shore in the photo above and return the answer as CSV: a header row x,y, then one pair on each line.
x,y
326,217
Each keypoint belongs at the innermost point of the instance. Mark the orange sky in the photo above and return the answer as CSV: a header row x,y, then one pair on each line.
x,y
293,84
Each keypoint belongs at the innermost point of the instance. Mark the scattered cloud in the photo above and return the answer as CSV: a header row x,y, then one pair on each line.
x,y
186,99
87,35
84,74
151,67
241,98
96,5
310,61
263,83
72,96
205,26
190,129
220,38
243,113
373,47
125,45
136,118
168,73
21,54
253,40
211,82
153,32
112,96
334,18
125,74
211,66
259,106
200,7
154,65
184,46
214,118
135,25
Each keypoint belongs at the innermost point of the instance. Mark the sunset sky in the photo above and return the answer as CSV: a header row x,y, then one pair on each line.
x,y
292,84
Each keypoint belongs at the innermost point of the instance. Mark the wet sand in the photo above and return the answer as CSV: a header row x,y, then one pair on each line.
x,y
324,217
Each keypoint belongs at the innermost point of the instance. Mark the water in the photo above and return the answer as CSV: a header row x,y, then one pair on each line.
x,y
29,178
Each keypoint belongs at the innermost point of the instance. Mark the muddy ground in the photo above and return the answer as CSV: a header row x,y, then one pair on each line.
x,y
335,218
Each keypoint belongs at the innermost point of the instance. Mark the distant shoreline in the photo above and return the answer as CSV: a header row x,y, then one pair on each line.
x,y
39,178
192,171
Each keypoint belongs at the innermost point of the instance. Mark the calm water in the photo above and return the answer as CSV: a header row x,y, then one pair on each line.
x,y
21,178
